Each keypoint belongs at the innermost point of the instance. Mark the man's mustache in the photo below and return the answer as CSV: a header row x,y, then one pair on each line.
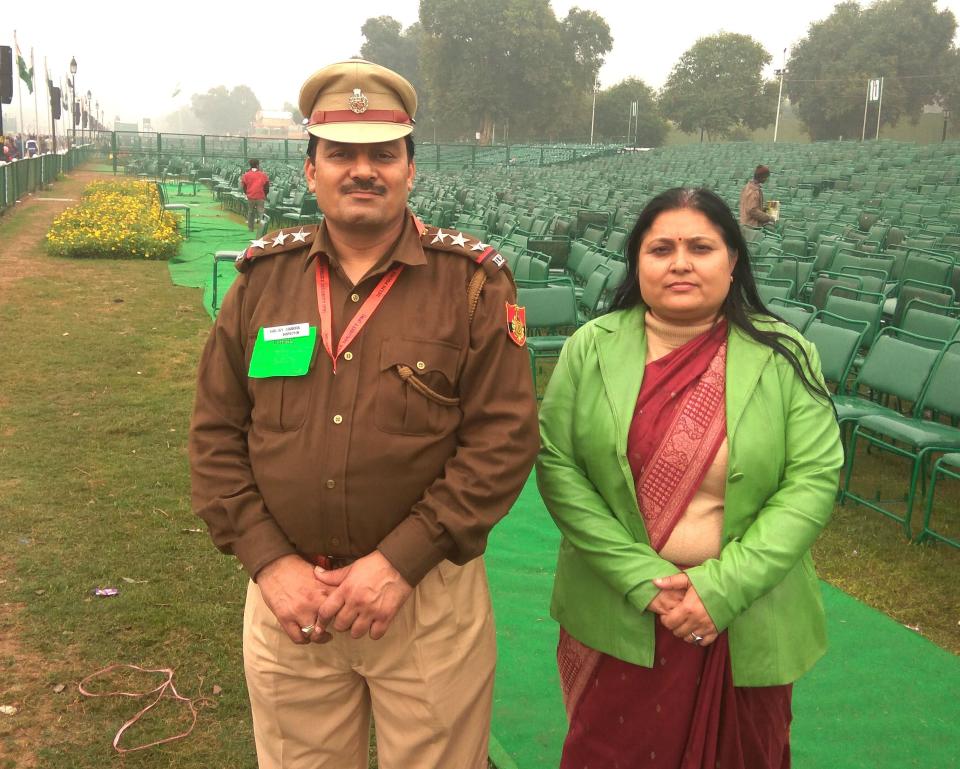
x,y
379,189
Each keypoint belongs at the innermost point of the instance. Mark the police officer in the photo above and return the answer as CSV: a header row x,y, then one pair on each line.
x,y
364,415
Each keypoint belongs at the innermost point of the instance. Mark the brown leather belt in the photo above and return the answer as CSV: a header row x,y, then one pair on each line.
x,y
330,562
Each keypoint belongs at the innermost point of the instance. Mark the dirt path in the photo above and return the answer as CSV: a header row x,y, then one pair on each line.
x,y
22,255
24,226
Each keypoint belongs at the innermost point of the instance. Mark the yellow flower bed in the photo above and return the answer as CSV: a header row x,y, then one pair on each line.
x,y
119,219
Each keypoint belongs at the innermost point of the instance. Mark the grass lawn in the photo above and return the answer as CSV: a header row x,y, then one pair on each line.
x,y
95,394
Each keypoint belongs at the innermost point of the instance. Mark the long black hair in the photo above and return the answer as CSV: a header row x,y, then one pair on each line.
x,y
743,301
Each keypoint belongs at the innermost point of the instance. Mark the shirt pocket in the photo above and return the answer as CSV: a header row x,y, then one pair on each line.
x,y
417,391
280,403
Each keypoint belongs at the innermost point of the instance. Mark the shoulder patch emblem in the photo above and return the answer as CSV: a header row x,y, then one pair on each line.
x,y
517,324
461,243
276,243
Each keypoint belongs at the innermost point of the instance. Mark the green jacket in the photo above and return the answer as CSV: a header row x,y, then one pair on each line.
x,y
784,462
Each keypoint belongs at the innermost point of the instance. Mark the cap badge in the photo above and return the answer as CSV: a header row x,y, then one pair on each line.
x,y
358,102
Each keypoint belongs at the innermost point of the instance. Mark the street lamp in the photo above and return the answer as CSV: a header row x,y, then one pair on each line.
x,y
73,98
89,124
593,111
779,73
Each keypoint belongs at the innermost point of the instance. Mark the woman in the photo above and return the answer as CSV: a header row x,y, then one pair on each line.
x,y
690,458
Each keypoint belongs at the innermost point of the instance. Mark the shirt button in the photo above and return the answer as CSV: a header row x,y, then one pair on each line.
x,y
348,356
335,541
331,484
354,297
337,419
421,365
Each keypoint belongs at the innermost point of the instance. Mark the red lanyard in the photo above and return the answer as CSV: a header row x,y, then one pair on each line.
x,y
359,320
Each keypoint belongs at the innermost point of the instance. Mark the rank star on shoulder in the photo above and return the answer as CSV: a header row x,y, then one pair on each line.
x,y
441,237
278,241
258,243
299,237
458,240
478,246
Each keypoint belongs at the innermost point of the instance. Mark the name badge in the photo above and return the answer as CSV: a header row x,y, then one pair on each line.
x,y
292,331
283,351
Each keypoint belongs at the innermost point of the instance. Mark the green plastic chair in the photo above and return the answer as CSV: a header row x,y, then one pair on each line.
x,y
896,367
797,314
948,466
913,438
859,307
550,311
837,345
930,320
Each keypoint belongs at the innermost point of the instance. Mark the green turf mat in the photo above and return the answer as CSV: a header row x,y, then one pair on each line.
x,y
211,230
883,697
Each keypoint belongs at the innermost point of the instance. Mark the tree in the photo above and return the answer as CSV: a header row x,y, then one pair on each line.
x,y
226,112
295,115
716,87
510,62
908,42
587,36
613,113
389,45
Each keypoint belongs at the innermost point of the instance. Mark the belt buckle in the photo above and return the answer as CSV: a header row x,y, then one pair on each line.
x,y
331,562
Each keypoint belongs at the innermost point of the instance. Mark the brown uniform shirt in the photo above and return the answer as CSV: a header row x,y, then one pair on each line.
x,y
343,464
751,206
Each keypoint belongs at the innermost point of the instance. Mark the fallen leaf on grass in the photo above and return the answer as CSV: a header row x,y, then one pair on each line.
x,y
191,531
217,689
135,581
40,591
8,710
59,688
913,627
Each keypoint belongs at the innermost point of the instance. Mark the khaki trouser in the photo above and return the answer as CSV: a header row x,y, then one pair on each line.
x,y
255,209
428,681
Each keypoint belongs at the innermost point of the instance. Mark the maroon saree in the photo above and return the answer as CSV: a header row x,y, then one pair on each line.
x,y
684,712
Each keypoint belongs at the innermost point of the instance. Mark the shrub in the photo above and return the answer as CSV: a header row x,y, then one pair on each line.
x,y
116,219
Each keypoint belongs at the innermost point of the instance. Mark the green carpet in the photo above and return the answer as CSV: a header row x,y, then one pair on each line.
x,y
882,698
211,230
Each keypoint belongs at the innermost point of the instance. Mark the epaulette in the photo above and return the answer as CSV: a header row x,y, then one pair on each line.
x,y
276,243
456,242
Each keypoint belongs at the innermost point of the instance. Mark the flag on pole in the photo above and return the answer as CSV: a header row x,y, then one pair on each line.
x,y
26,73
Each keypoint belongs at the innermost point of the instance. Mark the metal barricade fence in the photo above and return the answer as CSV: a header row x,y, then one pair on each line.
x,y
28,175
152,153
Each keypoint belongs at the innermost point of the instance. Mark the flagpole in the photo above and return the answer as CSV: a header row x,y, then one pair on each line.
x,y
46,76
20,126
36,112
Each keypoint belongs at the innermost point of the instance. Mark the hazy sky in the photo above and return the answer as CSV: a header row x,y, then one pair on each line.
x,y
134,56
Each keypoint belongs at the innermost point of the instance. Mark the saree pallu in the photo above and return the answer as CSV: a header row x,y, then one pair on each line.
x,y
684,712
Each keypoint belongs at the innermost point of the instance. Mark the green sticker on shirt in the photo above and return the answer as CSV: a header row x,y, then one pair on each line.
x,y
283,351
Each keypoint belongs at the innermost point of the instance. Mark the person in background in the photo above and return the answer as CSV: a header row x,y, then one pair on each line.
x,y
31,146
256,185
690,458
365,415
751,200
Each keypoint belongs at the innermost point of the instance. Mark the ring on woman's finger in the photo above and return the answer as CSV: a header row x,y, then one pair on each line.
x,y
307,629
696,638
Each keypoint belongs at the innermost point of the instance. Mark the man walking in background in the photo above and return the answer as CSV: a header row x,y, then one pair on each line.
x,y
256,185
